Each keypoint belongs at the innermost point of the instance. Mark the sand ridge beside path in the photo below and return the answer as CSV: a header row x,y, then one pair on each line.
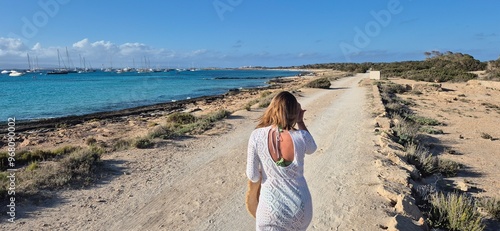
x,y
199,184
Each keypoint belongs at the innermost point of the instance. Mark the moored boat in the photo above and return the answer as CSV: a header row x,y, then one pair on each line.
x,y
16,73
58,72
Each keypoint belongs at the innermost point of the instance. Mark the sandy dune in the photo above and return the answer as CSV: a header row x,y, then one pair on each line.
x,y
199,184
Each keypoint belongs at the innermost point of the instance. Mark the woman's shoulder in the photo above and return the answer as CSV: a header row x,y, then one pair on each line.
x,y
259,131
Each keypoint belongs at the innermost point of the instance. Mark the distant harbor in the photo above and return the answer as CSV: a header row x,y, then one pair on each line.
x,y
59,92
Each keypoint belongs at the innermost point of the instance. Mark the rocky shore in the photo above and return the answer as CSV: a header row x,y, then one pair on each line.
x,y
128,123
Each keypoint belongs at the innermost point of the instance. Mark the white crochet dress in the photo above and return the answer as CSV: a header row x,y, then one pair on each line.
x,y
285,201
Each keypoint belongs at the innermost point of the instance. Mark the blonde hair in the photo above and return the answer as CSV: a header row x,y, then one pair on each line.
x,y
282,112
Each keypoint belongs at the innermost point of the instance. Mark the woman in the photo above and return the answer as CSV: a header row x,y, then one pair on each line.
x,y
276,153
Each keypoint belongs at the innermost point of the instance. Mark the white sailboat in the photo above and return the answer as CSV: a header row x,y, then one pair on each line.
x,y
31,67
58,71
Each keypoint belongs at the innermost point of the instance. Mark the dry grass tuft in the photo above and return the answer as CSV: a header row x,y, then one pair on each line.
x,y
490,206
74,169
143,143
323,83
454,212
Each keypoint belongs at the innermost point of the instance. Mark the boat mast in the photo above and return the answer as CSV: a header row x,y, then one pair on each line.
x,y
59,58
80,60
29,62
70,64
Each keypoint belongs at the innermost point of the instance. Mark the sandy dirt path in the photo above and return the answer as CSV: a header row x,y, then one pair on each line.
x,y
199,184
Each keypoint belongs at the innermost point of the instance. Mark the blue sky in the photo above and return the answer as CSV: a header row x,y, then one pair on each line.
x,y
232,33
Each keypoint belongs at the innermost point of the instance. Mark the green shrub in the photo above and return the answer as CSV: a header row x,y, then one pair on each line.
x,y
265,94
76,168
32,166
408,102
438,67
454,212
121,144
65,150
323,83
81,163
217,115
393,104
143,143
249,105
394,88
406,130
181,118
25,157
206,122
423,160
439,75
182,124
424,120
448,168
491,206
431,130
160,132
395,108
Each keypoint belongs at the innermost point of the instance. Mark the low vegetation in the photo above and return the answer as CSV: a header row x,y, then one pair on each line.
x,y
323,83
429,164
76,166
73,167
180,124
143,143
431,130
24,157
493,70
437,67
405,129
263,101
454,212
491,206
121,144
448,211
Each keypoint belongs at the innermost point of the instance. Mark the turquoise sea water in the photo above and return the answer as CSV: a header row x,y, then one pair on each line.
x,y
35,96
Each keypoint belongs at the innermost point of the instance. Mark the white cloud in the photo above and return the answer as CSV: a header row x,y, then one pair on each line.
x,y
11,44
13,53
36,47
101,53
81,44
11,47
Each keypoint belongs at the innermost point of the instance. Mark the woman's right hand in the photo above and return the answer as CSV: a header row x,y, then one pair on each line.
x,y
300,117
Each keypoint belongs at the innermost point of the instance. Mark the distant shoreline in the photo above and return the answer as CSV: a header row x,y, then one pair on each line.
x,y
52,123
